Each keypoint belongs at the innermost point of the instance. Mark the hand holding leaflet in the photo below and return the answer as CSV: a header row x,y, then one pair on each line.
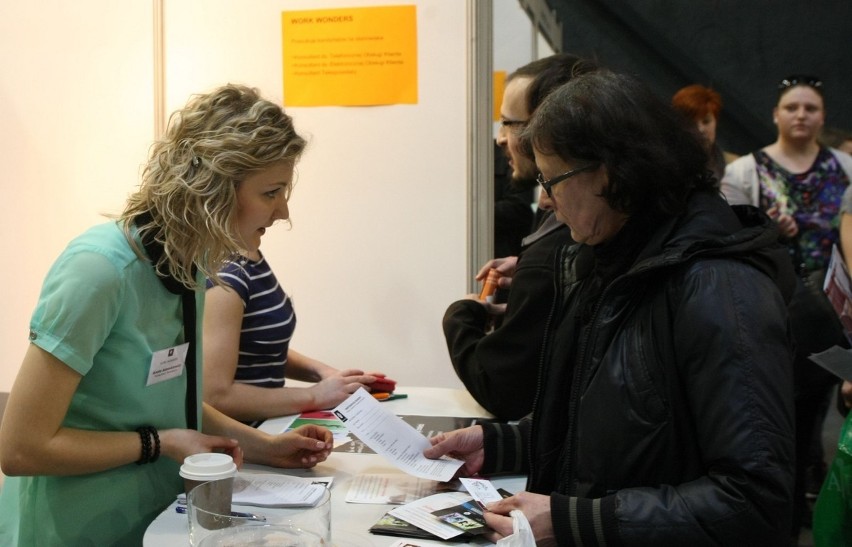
x,y
483,491
389,436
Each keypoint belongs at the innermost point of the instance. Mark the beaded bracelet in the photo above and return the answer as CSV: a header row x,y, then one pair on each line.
x,y
146,432
145,457
156,454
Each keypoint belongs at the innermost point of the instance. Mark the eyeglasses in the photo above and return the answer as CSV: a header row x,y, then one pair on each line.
x,y
547,185
799,79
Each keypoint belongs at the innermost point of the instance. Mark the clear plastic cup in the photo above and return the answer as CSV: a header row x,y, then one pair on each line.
x,y
279,535
267,525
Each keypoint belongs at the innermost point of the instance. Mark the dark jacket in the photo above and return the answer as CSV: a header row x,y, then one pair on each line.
x,y
513,212
499,367
673,422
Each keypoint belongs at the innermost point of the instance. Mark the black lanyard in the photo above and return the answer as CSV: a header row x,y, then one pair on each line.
x,y
188,301
154,249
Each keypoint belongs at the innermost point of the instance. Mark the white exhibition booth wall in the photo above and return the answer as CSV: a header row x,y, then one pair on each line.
x,y
379,240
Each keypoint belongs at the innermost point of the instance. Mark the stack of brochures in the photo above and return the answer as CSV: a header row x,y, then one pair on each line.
x,y
275,490
427,509
448,515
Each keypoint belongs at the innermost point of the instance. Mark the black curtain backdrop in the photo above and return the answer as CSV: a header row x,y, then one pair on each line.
x,y
740,48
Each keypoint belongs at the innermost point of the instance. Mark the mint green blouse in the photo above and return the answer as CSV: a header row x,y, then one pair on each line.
x,y
103,312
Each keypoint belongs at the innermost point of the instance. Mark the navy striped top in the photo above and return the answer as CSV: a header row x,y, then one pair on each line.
x,y
268,321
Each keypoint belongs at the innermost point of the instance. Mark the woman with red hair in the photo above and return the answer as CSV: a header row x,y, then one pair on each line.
x,y
703,105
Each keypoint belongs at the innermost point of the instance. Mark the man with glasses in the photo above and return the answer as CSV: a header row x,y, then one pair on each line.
x,y
514,171
494,348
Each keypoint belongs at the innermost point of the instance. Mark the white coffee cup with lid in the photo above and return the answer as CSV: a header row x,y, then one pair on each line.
x,y
209,466
215,498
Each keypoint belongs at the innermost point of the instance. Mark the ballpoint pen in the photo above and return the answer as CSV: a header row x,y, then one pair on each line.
x,y
389,396
248,516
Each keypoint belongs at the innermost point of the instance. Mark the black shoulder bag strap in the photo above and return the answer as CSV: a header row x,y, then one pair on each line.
x,y
154,249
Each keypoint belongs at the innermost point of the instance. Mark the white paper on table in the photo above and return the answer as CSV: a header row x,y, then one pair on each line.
x,y
389,488
389,436
419,513
275,490
482,490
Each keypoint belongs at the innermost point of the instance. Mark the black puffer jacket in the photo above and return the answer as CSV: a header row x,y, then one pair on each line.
x,y
665,415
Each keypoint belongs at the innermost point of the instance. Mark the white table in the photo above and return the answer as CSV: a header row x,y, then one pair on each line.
x,y
350,522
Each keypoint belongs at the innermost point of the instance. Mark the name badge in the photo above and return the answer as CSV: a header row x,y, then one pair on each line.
x,y
167,364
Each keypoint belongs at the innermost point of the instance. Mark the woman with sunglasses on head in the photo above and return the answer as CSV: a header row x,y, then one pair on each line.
x,y
800,184
107,402
662,413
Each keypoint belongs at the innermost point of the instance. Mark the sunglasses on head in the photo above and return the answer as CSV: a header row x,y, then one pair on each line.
x,y
792,81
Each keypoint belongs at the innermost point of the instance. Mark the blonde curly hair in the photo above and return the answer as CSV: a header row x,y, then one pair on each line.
x,y
186,201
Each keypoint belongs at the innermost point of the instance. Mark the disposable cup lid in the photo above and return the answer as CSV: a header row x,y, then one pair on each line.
x,y
208,467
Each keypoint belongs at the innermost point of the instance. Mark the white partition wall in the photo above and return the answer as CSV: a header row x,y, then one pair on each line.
x,y
378,246
76,119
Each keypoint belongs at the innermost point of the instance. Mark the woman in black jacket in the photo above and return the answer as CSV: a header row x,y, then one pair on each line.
x,y
663,413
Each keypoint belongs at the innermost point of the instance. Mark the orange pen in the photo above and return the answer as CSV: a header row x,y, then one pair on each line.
x,y
489,286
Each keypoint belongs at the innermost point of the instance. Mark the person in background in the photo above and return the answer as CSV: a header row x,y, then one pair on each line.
x,y
664,416
703,106
513,207
248,323
844,397
105,407
498,366
840,139
800,183
832,510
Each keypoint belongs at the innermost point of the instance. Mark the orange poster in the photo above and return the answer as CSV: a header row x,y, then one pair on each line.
x,y
350,56
499,83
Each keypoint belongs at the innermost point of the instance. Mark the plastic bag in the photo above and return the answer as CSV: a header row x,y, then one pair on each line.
x,y
832,519
522,535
